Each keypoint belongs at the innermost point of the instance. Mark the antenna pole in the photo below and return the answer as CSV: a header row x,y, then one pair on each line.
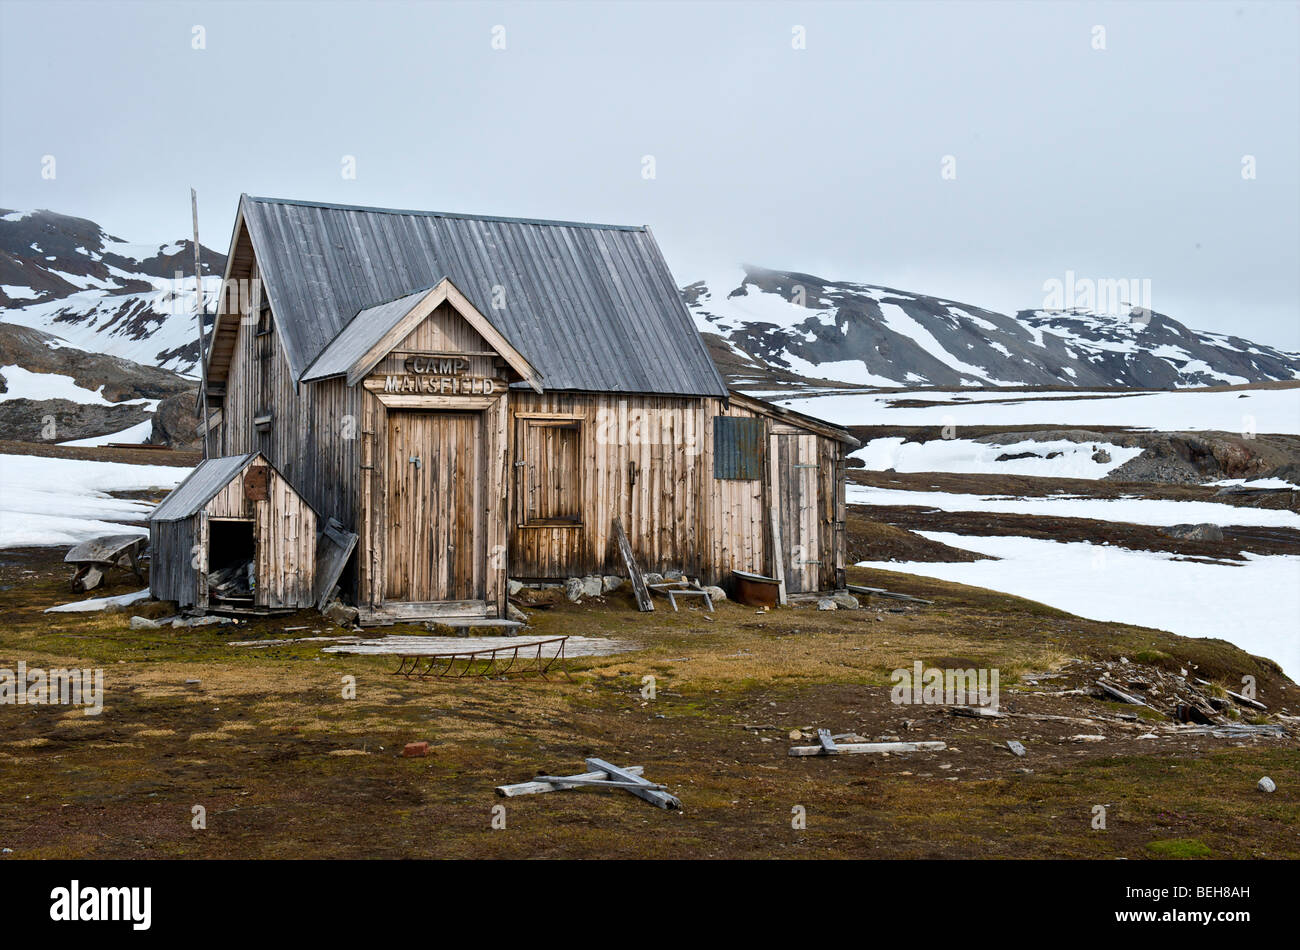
x,y
200,311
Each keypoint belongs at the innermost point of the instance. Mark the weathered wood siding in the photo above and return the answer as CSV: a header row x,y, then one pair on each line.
x,y
648,460
171,552
314,436
284,530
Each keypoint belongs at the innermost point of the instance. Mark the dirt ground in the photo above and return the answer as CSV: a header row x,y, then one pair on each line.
x,y
285,766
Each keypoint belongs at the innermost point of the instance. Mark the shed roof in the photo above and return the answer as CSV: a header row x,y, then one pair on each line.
x,y
199,487
592,307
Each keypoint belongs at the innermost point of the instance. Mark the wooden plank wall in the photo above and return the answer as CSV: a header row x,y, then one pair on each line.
x,y
171,554
285,529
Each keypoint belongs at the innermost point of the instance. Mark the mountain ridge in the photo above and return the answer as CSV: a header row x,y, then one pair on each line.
x,y
68,276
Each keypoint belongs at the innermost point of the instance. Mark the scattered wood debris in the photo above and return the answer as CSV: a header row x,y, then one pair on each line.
x,y
602,775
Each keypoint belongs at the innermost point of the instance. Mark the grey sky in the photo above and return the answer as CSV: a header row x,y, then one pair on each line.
x,y
1122,163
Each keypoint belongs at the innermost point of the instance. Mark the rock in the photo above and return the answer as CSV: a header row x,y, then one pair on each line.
x,y
514,587
573,589
206,621
415,750
91,580
826,604
342,614
652,578
593,585
1016,748
672,575
610,582
144,623
514,613
716,594
845,601
1102,456
1194,532
1266,784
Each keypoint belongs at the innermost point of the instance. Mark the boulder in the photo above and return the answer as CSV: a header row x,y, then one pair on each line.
x,y
1194,532
1101,456
593,585
573,589
610,582
845,601
1266,784
342,614
826,604
514,587
716,594
514,613
144,623
650,577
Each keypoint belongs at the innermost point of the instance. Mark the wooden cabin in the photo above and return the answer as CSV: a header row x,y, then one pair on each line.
x,y
234,535
481,398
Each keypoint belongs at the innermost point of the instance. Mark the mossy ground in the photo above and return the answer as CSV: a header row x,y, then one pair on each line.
x,y
286,767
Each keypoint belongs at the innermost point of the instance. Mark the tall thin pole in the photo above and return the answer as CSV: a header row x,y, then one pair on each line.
x,y
200,311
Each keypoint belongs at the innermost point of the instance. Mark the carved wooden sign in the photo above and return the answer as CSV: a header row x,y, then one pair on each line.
x,y
257,483
442,385
435,365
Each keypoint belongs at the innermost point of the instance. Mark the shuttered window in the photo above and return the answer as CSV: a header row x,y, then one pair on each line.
x,y
737,447
550,471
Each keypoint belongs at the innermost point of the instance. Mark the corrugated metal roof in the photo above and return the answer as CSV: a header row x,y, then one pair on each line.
x,y
199,487
591,307
365,330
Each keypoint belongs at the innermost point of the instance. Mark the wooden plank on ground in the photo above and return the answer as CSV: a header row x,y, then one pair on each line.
x,y
537,788
865,748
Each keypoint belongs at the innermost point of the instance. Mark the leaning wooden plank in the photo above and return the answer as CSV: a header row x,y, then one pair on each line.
x,y
865,748
1120,694
646,791
774,520
889,594
1245,700
334,548
643,601
537,788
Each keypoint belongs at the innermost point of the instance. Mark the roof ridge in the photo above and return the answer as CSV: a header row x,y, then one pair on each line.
x,y
545,222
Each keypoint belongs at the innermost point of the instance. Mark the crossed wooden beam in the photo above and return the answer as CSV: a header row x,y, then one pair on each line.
x,y
602,775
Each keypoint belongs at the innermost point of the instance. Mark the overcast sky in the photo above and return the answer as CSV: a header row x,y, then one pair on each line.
x,y
1117,163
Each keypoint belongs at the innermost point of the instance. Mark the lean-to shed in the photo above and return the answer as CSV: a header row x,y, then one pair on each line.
x,y
234,535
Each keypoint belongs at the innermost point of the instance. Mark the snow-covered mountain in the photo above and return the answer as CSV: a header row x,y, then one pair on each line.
x,y
69,277
775,323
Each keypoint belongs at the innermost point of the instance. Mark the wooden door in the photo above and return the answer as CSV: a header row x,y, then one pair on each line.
x,y
798,500
436,530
